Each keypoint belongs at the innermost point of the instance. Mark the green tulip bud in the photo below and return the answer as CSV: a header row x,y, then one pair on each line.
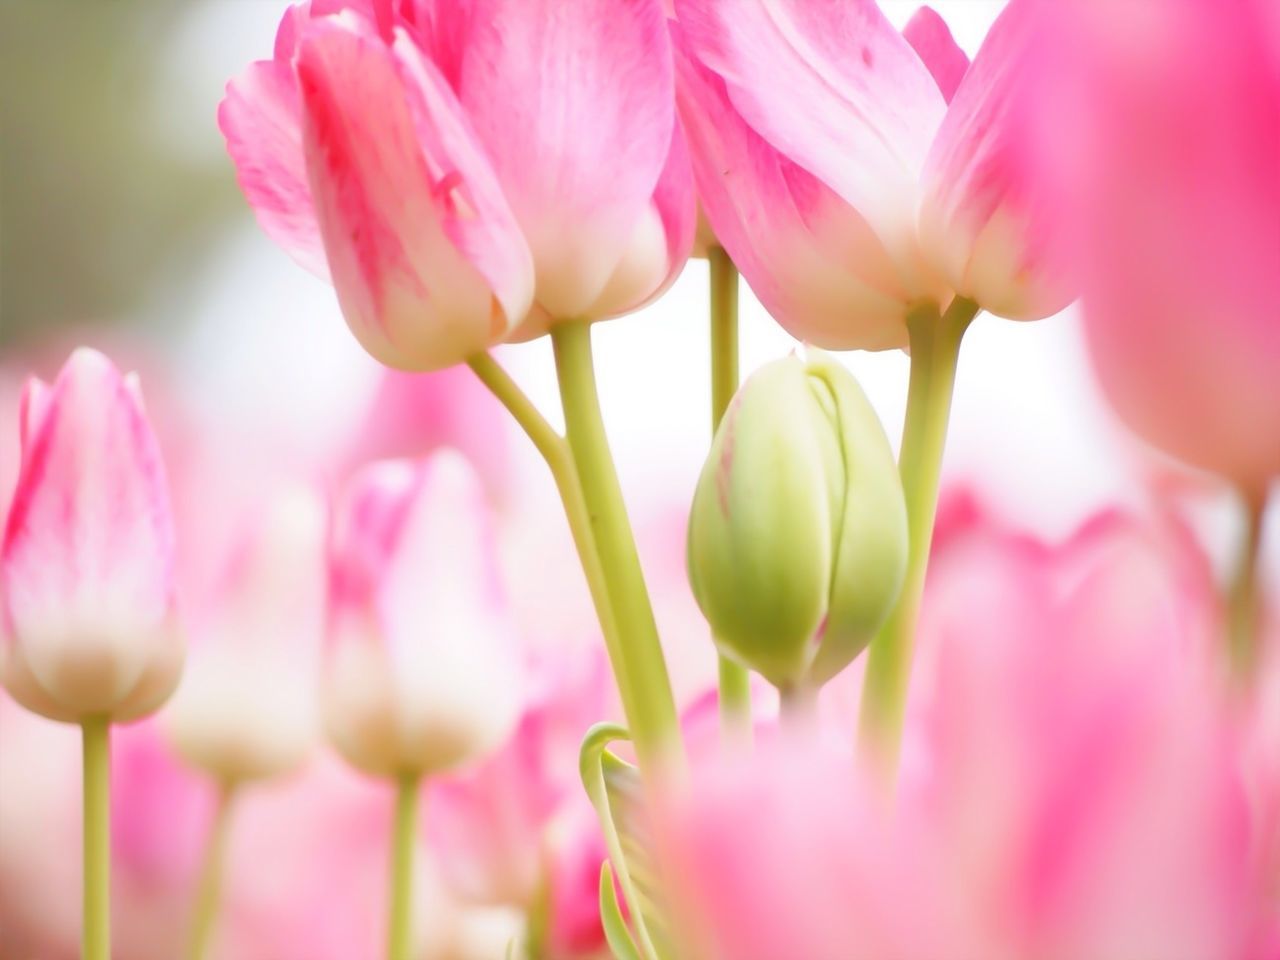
x,y
798,530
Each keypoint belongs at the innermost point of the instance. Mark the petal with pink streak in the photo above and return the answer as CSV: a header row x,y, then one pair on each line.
x,y
88,553
261,119
931,39
981,222
810,258
837,90
574,104
426,258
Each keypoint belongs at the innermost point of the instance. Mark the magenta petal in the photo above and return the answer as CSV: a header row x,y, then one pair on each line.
x,y
931,38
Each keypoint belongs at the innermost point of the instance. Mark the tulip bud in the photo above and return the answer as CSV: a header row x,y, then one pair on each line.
x,y
86,567
420,674
798,530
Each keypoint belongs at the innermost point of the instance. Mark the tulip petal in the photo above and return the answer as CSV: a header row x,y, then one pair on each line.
x,y
261,119
427,260
931,38
810,258
980,221
575,107
835,88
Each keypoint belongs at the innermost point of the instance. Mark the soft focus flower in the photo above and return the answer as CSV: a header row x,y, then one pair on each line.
x,y
246,708
798,530
1079,793
1159,129
421,672
452,164
86,567
839,180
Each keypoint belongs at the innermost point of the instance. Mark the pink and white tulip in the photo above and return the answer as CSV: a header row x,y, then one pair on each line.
x,y
421,671
87,564
852,172
468,174
1159,126
246,708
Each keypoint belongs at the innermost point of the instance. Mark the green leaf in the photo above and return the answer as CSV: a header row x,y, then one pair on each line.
x,y
616,792
615,927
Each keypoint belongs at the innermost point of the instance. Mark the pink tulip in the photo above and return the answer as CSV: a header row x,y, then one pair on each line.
x,y
1159,126
469,173
839,179
1079,795
86,567
421,670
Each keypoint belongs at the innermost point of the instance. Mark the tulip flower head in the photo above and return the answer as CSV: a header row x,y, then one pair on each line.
x,y
420,673
798,530
86,568
852,172
468,174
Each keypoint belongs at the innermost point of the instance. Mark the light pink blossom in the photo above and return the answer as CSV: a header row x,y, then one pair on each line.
x,y
87,564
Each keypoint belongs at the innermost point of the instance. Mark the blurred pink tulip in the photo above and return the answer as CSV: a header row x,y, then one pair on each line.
x,y
469,173
1079,794
87,564
1159,128
421,668
839,180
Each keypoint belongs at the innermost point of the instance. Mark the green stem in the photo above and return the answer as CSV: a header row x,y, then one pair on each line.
x,y
935,350
209,889
640,668
735,679
1244,598
400,923
96,935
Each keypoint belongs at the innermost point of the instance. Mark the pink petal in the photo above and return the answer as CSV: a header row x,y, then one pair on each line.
x,y
261,119
837,90
575,107
981,222
1169,161
810,258
931,38
427,261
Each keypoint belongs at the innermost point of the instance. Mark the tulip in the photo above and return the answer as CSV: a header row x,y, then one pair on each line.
x,y
850,176
468,175
1167,162
86,567
798,530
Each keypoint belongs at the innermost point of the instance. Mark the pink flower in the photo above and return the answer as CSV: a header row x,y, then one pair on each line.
x,y
1159,126
421,671
839,179
455,164
86,567
1079,794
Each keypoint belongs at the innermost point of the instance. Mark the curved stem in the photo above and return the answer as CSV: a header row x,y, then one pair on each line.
x,y
209,888
96,930
935,350
640,668
1245,600
400,922
735,679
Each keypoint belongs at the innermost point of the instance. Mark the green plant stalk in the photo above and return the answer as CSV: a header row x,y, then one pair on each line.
x,y
735,679
209,887
1245,612
935,350
404,832
640,669
96,929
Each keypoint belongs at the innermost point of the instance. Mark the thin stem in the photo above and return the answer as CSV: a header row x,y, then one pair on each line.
x,y
1245,599
96,933
735,679
640,668
400,923
935,351
798,709
209,888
